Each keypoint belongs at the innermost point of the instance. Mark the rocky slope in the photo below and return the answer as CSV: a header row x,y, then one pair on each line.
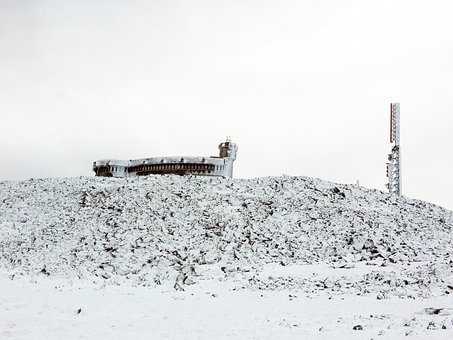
x,y
145,231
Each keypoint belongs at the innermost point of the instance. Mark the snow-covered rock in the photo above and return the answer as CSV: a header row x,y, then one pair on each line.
x,y
148,230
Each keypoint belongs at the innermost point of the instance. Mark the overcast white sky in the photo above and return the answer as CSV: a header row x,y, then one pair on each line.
x,y
302,86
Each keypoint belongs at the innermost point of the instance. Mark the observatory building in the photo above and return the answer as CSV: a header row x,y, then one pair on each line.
x,y
220,166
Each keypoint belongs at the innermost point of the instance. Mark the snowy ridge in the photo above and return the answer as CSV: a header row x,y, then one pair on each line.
x,y
255,233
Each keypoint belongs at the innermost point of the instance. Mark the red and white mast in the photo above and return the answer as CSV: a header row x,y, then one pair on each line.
x,y
394,158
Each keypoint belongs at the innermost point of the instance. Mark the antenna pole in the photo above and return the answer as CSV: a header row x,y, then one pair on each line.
x,y
394,158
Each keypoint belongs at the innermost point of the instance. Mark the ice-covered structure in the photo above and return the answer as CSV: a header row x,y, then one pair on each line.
x,y
221,165
394,158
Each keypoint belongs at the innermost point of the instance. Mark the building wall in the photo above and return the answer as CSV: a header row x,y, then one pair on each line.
x,y
202,166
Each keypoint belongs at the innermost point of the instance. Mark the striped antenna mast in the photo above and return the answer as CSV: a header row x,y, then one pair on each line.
x,y
394,158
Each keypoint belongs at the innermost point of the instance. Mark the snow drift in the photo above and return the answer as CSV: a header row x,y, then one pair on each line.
x,y
250,233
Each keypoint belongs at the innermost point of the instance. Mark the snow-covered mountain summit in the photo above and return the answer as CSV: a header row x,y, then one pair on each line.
x,y
250,232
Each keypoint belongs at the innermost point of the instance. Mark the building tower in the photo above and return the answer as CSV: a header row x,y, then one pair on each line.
x,y
228,151
394,158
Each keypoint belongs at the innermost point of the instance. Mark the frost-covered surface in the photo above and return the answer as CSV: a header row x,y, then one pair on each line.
x,y
265,238
42,309
147,230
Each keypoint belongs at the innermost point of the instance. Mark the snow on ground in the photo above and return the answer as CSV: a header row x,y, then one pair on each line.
x,y
168,257
46,310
